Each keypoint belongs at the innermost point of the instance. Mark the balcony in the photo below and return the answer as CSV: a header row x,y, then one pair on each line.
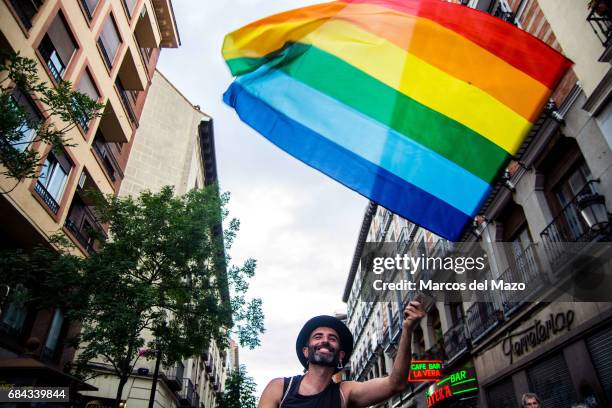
x,y
173,376
114,123
499,12
524,268
52,59
127,101
146,32
26,10
187,394
569,226
84,226
600,19
455,341
104,152
46,197
481,318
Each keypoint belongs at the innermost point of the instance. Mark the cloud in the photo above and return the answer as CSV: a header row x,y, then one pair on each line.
x,y
300,225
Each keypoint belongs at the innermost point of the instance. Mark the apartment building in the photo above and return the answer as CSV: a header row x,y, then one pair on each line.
x,y
107,50
174,145
542,207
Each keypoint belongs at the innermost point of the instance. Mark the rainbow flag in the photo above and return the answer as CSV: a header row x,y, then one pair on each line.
x,y
415,104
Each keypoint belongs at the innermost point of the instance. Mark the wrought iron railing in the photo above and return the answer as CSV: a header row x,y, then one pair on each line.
x,y
524,268
601,22
125,100
47,354
455,340
107,157
186,395
49,53
26,10
174,376
46,197
481,317
84,240
567,226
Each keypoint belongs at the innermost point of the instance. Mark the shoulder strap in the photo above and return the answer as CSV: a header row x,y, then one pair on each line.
x,y
286,389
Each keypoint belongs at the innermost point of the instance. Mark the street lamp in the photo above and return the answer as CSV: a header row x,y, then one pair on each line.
x,y
593,210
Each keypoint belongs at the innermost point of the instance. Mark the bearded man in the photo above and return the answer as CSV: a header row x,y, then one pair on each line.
x,y
322,346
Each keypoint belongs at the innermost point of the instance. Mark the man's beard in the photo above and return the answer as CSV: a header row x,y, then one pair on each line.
x,y
327,359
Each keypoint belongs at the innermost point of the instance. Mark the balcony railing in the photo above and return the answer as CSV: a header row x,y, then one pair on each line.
x,y
107,157
455,340
47,354
125,100
186,395
174,376
567,226
49,53
86,238
46,197
481,317
601,22
26,10
507,16
525,269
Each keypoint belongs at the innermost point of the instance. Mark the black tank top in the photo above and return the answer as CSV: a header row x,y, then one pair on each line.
x,y
328,398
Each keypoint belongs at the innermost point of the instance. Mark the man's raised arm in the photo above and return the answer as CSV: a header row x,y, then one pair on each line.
x,y
363,394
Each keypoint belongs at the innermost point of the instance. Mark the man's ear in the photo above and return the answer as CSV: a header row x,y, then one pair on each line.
x,y
305,351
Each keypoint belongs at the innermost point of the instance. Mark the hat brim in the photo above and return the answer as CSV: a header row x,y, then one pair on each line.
x,y
346,338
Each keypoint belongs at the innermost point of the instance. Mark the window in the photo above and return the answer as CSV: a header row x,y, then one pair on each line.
x,y
129,7
109,41
566,191
57,47
89,6
14,313
31,117
54,335
26,10
87,87
52,179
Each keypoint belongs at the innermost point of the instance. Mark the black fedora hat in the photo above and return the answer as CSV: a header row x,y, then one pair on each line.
x,y
346,338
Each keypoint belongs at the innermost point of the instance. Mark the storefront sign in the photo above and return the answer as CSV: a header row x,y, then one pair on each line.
x,y
526,340
458,383
425,370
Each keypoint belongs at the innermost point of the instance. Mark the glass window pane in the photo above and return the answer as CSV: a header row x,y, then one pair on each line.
x,y
87,86
57,182
90,6
62,40
110,38
54,331
54,176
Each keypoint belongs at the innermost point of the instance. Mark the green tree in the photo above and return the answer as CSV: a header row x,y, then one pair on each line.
x,y
239,391
65,106
160,282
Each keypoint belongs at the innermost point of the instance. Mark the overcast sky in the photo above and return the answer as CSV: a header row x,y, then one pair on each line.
x,y
300,225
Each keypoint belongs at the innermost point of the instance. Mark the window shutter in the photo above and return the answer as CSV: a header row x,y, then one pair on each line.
x,y
501,395
551,381
61,39
600,346
87,86
110,38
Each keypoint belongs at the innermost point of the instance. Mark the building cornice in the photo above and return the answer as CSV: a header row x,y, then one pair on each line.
x,y
363,234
